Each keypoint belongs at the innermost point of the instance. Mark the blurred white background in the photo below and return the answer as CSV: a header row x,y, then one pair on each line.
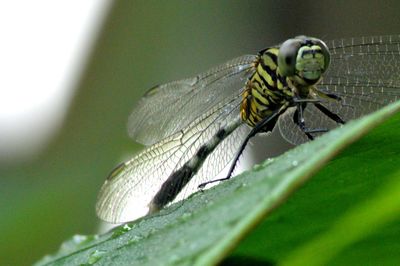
x,y
43,48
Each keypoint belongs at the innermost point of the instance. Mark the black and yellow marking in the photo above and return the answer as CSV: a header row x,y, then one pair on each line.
x,y
266,90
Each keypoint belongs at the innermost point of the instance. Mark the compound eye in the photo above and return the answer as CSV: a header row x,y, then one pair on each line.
x,y
325,53
287,56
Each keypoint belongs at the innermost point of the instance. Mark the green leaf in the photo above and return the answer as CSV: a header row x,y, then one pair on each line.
x,y
206,227
348,215
365,218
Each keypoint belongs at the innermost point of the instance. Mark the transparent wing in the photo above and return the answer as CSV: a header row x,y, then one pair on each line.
x,y
166,109
364,72
126,194
214,164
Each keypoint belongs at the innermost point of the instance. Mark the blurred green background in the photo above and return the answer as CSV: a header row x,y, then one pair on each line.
x,y
144,43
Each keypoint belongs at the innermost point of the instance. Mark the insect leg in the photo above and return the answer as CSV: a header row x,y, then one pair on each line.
x,y
327,95
258,128
298,119
329,113
326,111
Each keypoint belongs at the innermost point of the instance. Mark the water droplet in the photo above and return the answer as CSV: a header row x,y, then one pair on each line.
x,y
122,230
95,256
270,160
127,227
79,238
295,163
77,241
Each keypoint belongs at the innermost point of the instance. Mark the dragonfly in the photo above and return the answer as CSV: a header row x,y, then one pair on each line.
x,y
195,127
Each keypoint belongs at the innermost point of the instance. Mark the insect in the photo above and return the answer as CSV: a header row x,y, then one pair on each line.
x,y
195,127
